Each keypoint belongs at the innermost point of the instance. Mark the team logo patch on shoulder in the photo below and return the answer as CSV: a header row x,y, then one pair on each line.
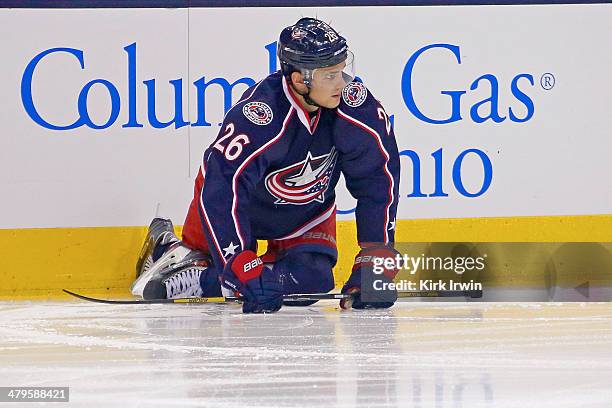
x,y
354,94
258,112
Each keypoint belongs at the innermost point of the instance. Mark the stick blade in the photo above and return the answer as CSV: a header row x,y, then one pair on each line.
x,y
116,302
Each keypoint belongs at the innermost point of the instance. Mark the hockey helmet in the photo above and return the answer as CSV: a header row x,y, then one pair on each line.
x,y
310,44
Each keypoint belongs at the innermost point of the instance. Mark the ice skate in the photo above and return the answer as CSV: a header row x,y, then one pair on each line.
x,y
159,235
166,268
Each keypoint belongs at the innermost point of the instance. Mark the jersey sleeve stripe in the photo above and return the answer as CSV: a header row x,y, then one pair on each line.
x,y
246,163
203,208
378,139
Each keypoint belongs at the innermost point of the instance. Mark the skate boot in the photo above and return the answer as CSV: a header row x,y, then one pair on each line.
x,y
187,277
175,283
159,236
166,268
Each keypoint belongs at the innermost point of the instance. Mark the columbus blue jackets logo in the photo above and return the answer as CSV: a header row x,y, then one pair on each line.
x,y
304,182
354,94
258,112
298,33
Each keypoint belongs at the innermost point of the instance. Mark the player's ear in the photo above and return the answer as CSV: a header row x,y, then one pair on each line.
x,y
297,79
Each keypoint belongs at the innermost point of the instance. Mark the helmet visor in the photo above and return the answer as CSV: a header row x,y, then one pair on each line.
x,y
336,75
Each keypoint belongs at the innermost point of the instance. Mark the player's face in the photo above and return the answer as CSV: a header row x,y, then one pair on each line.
x,y
327,84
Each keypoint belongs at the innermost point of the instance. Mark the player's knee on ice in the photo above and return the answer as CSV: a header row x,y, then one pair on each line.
x,y
305,272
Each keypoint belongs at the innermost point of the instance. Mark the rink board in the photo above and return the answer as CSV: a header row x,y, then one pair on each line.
x,y
73,213
107,121
101,260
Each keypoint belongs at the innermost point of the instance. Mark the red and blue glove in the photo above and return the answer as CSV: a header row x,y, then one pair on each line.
x,y
260,286
367,277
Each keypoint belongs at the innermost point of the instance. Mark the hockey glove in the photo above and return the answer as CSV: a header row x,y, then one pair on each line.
x,y
261,287
369,281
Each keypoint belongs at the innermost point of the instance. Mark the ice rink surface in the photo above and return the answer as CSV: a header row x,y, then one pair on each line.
x,y
414,355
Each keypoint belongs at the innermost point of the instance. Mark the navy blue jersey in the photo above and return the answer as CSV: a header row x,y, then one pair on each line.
x,y
272,171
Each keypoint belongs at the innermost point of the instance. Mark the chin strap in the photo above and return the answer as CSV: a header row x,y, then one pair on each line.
x,y
309,101
306,96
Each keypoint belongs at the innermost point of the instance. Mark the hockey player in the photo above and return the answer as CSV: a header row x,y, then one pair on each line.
x,y
271,175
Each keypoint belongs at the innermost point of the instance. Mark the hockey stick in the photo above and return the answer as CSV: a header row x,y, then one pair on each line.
x,y
220,299
295,297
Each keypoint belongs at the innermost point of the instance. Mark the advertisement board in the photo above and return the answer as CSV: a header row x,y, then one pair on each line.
x,y
498,111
